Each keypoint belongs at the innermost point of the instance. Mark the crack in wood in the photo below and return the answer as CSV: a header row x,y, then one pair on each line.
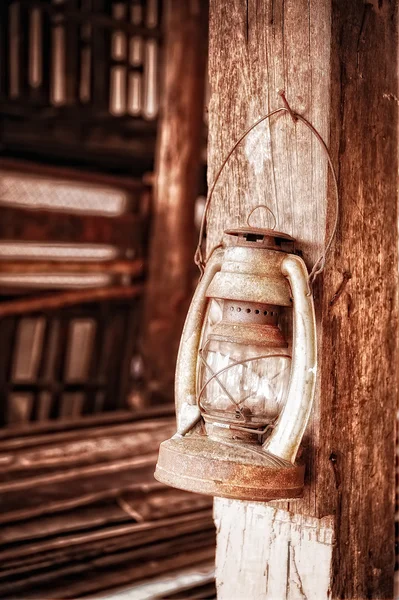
x,y
345,278
267,578
247,23
299,584
360,39
287,583
334,463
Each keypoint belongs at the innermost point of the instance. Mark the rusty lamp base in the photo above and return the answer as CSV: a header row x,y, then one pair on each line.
x,y
236,470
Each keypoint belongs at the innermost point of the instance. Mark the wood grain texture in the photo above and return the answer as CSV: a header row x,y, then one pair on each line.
x,y
294,552
337,62
78,518
178,158
359,366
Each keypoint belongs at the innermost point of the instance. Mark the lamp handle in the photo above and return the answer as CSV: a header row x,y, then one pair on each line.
x,y
320,262
288,432
187,409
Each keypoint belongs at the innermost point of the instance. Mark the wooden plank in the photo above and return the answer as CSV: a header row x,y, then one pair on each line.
x,y
337,62
56,564
105,448
69,173
168,585
129,571
132,268
88,428
44,302
115,487
68,541
152,504
109,144
178,157
21,224
27,435
74,474
83,487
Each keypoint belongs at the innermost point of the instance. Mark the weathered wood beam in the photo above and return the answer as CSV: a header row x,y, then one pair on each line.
x,y
70,298
135,186
20,224
359,355
337,62
75,473
130,569
68,541
178,159
27,435
133,268
78,452
153,504
81,500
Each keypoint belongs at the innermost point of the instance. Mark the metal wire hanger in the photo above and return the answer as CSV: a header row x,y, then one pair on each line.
x,y
320,262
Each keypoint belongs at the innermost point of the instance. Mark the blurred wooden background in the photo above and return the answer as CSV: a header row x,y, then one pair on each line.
x,y
84,106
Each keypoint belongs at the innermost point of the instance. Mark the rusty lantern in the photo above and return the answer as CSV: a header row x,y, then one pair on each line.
x,y
242,401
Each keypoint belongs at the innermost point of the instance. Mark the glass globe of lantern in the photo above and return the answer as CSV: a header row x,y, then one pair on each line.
x,y
245,364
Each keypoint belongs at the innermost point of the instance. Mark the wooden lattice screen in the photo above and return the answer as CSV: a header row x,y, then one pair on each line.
x,y
64,231
66,364
80,78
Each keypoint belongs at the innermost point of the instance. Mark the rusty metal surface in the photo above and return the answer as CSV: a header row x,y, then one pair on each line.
x,y
251,274
250,323
263,238
251,312
272,233
259,335
236,470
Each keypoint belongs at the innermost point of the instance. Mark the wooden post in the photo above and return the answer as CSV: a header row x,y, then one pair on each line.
x,y
170,278
337,62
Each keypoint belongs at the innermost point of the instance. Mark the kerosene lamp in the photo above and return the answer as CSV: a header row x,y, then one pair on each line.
x,y
243,391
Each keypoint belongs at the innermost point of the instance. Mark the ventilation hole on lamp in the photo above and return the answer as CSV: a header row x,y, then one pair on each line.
x,y
248,310
238,309
256,311
265,313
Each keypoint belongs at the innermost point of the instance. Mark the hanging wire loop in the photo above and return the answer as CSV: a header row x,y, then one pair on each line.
x,y
268,209
296,117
